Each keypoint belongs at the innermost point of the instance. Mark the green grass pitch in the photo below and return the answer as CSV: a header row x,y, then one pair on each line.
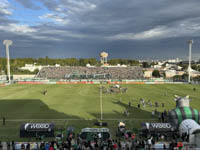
x,y
79,105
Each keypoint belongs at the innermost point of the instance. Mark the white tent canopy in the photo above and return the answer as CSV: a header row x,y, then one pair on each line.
x,y
189,126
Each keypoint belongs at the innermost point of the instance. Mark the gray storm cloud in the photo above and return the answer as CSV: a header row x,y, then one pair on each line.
x,y
128,29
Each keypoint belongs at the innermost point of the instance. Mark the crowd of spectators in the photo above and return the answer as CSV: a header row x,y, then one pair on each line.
x,y
78,72
127,143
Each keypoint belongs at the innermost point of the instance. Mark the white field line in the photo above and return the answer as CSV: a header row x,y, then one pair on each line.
x,y
108,119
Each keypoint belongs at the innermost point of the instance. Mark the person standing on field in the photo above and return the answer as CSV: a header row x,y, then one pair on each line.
x,y
4,121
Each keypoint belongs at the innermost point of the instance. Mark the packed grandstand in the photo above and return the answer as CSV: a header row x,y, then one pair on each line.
x,y
78,72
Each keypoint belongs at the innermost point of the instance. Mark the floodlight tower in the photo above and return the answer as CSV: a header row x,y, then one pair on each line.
x,y
7,43
190,42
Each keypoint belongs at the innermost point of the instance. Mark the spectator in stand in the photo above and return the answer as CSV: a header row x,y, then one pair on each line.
x,y
13,145
164,146
133,136
8,145
28,146
77,72
180,145
47,146
1,146
126,136
115,145
51,147
149,143
22,147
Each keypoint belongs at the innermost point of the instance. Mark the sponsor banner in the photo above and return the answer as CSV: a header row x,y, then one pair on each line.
x,y
149,82
162,127
31,82
3,84
93,82
51,82
158,82
95,130
127,82
75,82
90,82
135,82
38,127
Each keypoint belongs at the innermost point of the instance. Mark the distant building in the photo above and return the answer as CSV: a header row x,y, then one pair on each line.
x,y
158,65
33,67
177,60
172,66
148,72
172,73
89,66
194,73
118,65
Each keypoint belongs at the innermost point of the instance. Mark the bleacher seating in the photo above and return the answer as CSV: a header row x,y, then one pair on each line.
x,y
78,72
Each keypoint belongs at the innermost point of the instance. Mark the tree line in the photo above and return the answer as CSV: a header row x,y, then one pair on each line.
x,y
16,63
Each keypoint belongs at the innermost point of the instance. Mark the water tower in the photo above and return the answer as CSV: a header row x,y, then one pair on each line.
x,y
103,57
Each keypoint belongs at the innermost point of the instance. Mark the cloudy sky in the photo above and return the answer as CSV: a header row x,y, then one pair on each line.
x,y
136,29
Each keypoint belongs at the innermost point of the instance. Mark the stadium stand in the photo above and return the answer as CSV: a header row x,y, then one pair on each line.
x,y
77,72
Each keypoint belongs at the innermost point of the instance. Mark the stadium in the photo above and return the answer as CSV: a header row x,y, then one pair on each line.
x,y
98,103
106,101
84,97
98,75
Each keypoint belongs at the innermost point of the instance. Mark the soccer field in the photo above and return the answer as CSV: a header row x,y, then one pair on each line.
x,y
79,105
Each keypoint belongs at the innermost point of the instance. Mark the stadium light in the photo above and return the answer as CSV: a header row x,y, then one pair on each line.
x,y
190,42
101,104
7,43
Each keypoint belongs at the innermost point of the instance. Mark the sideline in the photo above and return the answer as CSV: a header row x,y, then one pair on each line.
x,y
109,119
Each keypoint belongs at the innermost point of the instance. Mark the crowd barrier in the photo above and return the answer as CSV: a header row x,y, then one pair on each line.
x,y
96,82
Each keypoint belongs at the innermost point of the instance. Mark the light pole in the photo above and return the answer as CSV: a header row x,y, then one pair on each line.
x,y
7,43
101,105
190,42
